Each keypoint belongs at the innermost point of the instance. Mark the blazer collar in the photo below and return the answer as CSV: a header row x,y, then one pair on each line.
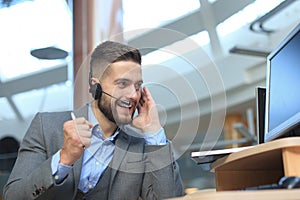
x,y
81,112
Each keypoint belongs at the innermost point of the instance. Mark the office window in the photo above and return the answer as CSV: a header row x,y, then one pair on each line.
x,y
30,25
27,25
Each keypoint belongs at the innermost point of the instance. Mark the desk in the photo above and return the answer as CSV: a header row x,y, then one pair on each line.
x,y
284,194
262,164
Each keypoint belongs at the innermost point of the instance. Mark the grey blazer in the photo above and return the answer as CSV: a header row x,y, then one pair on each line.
x,y
138,170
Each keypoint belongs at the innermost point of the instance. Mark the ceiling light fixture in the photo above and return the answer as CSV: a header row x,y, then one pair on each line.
x,y
49,53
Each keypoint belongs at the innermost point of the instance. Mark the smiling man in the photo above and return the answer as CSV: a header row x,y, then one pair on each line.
x,y
97,152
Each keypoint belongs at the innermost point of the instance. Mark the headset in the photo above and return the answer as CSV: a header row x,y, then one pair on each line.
x,y
96,91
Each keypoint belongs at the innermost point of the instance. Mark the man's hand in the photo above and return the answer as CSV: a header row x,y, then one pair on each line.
x,y
147,119
77,136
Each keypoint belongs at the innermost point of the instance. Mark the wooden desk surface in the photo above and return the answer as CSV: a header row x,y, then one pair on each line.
x,y
260,165
283,194
262,152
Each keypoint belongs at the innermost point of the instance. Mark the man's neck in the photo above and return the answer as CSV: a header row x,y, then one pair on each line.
x,y
108,127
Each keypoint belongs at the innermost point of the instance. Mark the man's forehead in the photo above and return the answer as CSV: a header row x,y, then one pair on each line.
x,y
125,68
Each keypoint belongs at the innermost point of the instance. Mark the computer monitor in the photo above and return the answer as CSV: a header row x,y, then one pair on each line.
x,y
283,88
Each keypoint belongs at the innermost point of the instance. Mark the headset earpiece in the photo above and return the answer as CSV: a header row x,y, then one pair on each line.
x,y
98,91
95,89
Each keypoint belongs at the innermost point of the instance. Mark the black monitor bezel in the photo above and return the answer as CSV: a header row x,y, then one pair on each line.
x,y
260,93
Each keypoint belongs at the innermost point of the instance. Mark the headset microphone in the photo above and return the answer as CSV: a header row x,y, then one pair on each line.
x,y
126,102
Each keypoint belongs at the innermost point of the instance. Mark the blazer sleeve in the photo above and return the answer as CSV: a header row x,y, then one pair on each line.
x,y
162,178
31,176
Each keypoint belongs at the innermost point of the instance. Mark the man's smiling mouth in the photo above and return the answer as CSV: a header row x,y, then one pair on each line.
x,y
124,105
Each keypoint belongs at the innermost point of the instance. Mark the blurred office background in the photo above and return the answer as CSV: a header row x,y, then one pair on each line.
x,y
202,60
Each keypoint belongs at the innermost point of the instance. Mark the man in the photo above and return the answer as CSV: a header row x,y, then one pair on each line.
x,y
97,152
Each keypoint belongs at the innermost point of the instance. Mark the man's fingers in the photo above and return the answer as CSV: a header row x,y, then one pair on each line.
x,y
85,133
83,127
82,120
147,94
86,141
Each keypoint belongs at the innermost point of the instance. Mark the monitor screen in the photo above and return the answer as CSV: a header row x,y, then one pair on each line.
x,y
283,88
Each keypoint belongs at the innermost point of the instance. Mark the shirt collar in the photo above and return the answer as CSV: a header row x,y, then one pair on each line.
x,y
91,116
96,130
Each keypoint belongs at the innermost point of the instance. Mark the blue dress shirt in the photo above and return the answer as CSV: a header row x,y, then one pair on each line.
x,y
97,156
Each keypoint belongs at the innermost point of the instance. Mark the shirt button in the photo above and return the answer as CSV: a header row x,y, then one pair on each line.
x,y
97,163
56,177
90,186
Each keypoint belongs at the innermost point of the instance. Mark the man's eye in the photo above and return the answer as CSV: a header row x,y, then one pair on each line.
x,y
122,84
138,85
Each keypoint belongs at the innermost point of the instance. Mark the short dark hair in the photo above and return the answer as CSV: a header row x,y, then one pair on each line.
x,y
109,52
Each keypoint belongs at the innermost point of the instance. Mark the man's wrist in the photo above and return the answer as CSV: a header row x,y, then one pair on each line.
x,y
64,158
156,138
59,171
151,129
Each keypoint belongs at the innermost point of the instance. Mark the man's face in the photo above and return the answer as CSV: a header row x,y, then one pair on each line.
x,y
123,81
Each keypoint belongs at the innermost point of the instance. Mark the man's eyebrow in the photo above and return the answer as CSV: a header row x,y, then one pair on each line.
x,y
127,80
122,79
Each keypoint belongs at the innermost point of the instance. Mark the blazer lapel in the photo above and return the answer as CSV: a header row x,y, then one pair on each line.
x,y
77,171
122,144
81,112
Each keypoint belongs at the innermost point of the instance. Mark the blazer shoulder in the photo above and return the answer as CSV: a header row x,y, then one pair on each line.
x,y
54,116
49,121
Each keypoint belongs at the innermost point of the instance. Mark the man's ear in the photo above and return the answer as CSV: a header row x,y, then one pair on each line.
x,y
94,81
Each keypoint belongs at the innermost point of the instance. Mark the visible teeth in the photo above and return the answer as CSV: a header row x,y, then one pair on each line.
x,y
124,105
